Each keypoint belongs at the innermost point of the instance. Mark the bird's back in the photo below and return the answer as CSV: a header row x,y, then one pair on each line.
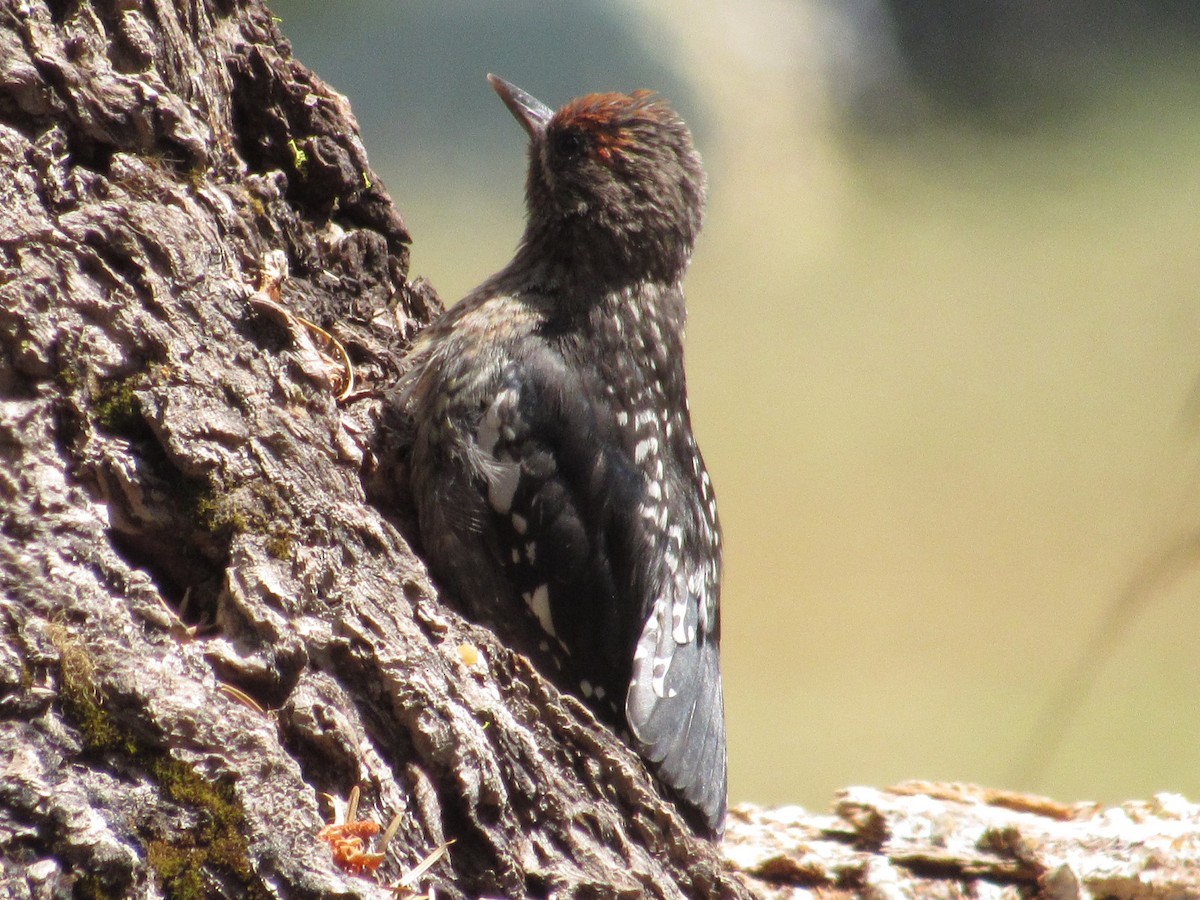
x,y
554,468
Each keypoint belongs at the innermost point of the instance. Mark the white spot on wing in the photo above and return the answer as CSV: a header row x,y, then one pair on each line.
x,y
488,434
644,448
539,603
502,486
679,629
658,677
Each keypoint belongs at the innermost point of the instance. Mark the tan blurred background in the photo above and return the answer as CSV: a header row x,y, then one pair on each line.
x,y
944,351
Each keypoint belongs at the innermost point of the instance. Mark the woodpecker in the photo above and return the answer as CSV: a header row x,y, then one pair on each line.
x,y
553,465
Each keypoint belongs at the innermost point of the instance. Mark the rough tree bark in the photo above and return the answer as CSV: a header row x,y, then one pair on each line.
x,y
210,616
185,471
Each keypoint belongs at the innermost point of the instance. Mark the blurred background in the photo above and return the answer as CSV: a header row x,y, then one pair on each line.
x,y
944,351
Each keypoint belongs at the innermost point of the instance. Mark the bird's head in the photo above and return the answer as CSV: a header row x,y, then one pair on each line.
x,y
615,188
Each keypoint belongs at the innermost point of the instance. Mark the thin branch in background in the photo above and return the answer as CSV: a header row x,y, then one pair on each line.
x,y
1059,714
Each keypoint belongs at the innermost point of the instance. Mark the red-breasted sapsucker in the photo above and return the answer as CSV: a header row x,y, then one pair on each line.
x,y
554,464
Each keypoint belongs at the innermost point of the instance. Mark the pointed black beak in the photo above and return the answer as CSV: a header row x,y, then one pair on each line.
x,y
532,113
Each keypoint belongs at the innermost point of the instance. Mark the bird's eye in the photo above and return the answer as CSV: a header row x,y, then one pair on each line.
x,y
569,144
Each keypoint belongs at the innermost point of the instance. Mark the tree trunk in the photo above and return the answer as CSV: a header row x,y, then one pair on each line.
x,y
211,622
185,506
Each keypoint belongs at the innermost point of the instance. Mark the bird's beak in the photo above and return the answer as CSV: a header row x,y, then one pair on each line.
x,y
532,113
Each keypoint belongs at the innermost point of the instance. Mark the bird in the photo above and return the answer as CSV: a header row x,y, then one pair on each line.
x,y
553,465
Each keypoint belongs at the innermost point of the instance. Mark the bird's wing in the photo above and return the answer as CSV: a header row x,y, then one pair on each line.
x,y
553,485
675,705
609,564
